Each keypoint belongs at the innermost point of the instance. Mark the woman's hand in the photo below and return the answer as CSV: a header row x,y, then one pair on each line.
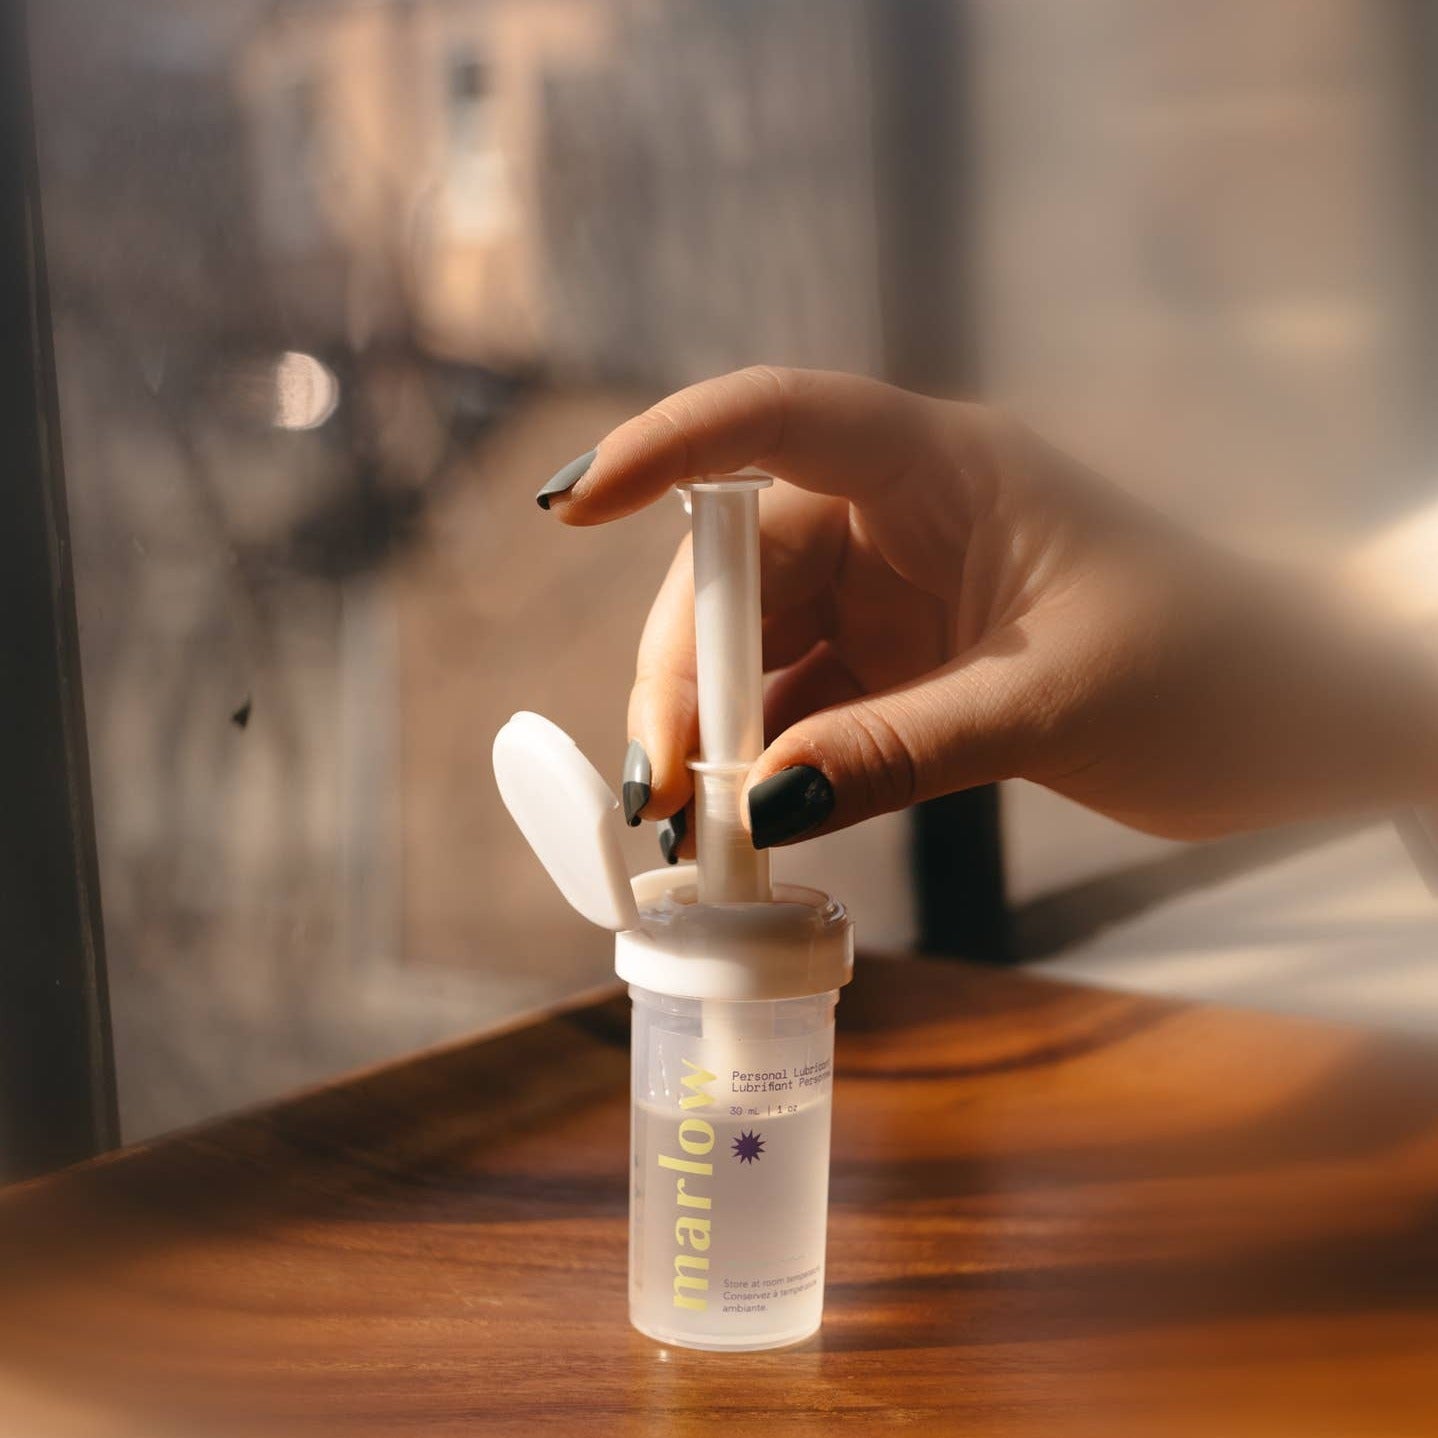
x,y
949,602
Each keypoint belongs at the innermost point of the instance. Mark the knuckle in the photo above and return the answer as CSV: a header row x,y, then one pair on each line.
x,y
665,426
992,448
992,427
885,767
774,386
774,379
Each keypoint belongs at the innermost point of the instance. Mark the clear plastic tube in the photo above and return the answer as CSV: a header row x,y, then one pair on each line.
x,y
730,1166
731,869
729,654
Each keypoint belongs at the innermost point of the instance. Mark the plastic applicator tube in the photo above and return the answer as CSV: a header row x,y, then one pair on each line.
x,y
729,665
729,648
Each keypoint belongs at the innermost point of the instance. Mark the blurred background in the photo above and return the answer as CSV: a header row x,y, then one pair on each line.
x,y
338,283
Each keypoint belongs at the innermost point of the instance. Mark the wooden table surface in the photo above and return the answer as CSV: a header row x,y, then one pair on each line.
x,y
1054,1210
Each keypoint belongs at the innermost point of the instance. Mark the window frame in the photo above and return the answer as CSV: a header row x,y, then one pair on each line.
x,y
57,1075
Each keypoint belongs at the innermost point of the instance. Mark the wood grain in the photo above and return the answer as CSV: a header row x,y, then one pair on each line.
x,y
1054,1210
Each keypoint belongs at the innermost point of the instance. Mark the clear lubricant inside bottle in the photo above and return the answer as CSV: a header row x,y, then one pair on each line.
x,y
729,1168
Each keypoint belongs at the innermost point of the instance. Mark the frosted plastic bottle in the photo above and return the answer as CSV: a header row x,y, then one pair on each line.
x,y
732,1080
730,1169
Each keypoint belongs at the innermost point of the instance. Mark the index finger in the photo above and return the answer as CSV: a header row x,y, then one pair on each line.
x,y
835,433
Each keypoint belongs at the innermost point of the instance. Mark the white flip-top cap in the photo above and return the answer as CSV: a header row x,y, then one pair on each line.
x,y
569,815
798,944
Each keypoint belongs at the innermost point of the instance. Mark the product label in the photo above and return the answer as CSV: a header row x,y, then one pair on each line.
x,y
731,1160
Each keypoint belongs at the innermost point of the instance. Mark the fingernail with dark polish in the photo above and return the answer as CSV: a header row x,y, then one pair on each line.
x,y
787,804
566,479
635,783
671,835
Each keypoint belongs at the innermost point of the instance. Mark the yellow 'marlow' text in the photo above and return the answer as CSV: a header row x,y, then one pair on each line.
x,y
692,1234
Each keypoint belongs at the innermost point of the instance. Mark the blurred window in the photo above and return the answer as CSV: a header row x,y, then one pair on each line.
x,y
476,176
291,164
337,283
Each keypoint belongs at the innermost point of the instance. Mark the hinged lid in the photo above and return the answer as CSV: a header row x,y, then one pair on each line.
x,y
568,814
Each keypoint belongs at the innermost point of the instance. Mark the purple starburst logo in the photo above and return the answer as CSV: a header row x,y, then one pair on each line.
x,y
748,1147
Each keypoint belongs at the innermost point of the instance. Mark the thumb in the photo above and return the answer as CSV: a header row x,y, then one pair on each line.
x,y
955,727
